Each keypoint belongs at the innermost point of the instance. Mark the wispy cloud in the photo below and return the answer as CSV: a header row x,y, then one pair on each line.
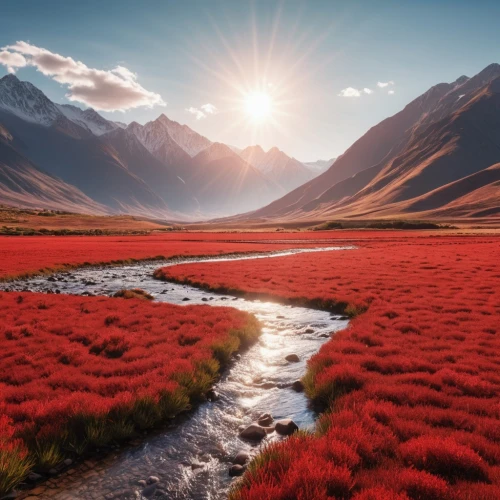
x,y
390,92
367,91
108,90
12,60
202,111
385,84
350,92
210,109
198,113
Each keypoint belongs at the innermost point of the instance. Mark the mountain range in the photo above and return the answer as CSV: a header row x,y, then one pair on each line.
x,y
161,169
438,158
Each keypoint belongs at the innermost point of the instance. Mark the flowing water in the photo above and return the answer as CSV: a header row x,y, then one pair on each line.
x,y
192,457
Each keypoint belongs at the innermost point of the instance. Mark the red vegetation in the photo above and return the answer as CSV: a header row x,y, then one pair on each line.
x,y
411,387
78,371
38,254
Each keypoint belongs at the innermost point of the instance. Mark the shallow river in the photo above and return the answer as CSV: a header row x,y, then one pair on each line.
x,y
192,457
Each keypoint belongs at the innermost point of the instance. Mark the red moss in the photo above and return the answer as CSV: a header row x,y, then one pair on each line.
x,y
413,382
88,369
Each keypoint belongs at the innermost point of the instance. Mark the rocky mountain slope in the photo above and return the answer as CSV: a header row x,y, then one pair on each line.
x,y
448,134
23,184
161,169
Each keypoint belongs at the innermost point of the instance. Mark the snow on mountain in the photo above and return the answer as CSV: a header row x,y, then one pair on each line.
x,y
88,119
26,101
189,140
155,138
163,136
29,103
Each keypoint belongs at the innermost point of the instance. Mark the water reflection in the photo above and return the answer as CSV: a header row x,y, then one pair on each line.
x,y
192,458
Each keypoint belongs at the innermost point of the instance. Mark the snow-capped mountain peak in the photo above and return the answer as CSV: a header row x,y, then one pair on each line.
x,y
23,99
26,101
189,140
87,118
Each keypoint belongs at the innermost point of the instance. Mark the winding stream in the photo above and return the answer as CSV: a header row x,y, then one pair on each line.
x,y
192,457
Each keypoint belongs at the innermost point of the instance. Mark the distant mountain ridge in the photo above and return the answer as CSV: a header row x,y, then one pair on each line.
x,y
275,165
438,144
160,169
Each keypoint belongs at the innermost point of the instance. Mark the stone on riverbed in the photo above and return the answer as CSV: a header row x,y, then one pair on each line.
x,y
298,386
253,432
149,491
265,419
212,395
153,480
236,470
286,427
241,458
292,358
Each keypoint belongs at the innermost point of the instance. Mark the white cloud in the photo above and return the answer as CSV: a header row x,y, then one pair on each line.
x,y
12,60
385,84
198,113
367,91
107,90
350,92
209,109
202,111
390,92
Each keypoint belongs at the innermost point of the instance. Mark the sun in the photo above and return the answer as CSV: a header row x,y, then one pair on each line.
x,y
258,105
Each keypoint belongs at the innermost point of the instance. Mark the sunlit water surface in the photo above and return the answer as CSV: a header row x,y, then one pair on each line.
x,y
192,457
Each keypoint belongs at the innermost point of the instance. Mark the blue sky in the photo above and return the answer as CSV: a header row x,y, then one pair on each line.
x,y
303,54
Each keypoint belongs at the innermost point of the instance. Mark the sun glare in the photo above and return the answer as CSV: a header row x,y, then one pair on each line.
x,y
258,106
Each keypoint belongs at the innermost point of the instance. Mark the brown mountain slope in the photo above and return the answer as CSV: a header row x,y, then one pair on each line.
x,y
455,147
477,195
382,140
87,162
453,132
23,184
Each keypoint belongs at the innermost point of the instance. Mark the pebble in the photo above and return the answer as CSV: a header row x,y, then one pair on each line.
x,y
149,491
153,480
298,386
253,432
241,458
236,470
286,427
265,419
292,358
212,395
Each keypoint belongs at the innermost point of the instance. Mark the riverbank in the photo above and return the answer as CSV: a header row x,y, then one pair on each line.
x,y
86,372
410,391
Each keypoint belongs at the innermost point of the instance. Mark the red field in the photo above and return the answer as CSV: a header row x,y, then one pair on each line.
x,y
413,385
37,254
84,371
